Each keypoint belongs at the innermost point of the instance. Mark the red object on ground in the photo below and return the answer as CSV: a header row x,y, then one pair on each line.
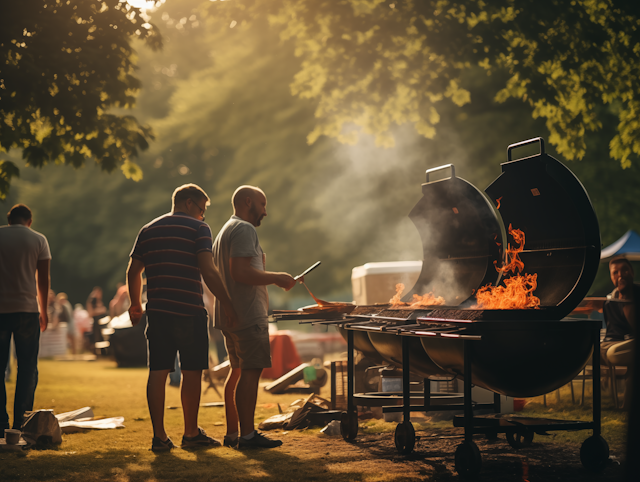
x,y
284,356
518,404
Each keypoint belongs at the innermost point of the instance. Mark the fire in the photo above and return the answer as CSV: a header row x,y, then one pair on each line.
x,y
418,301
498,201
517,292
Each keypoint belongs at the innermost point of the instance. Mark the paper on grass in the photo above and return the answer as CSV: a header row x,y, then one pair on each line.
x,y
102,424
84,412
83,419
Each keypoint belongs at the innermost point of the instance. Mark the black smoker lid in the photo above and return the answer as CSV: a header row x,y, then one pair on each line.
x,y
544,199
462,236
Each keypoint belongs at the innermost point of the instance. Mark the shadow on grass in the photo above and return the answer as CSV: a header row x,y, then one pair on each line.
x,y
275,465
131,466
543,461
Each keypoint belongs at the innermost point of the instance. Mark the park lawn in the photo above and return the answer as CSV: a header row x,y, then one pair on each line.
x,y
124,455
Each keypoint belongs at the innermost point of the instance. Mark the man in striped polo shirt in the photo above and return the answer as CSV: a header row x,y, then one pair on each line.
x,y
175,251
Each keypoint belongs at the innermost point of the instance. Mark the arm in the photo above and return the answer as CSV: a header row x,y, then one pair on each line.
x,y
243,272
43,283
214,282
89,305
134,287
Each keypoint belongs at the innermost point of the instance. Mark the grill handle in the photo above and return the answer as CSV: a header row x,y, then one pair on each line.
x,y
446,166
526,143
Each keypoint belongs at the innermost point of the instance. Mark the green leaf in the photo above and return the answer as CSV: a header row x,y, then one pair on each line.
x,y
131,171
7,170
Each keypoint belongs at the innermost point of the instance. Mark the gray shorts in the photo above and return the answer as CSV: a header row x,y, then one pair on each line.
x,y
249,348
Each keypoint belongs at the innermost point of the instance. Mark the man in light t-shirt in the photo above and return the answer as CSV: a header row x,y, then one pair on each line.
x,y
241,262
24,282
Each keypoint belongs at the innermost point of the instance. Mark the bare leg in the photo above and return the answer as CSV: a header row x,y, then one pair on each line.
x,y
230,411
155,400
190,396
246,396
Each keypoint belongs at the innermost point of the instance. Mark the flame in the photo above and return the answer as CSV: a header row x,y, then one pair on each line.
x,y
418,301
517,292
396,298
498,201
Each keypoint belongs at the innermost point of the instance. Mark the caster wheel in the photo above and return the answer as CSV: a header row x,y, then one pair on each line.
x,y
491,436
349,425
468,460
405,438
594,453
520,439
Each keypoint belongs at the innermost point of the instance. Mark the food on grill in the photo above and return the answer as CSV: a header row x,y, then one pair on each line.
x,y
327,306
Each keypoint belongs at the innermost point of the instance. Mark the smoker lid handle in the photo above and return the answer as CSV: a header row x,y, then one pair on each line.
x,y
446,166
526,143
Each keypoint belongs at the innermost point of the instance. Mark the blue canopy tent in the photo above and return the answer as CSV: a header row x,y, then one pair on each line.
x,y
628,246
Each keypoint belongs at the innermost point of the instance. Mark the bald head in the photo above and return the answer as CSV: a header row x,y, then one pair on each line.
x,y
250,204
243,192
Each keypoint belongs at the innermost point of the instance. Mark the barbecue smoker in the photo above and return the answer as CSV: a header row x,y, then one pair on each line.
x,y
519,353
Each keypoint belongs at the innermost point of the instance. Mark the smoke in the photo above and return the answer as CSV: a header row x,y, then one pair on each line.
x,y
365,205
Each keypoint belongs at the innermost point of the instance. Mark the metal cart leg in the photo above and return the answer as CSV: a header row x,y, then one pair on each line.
x,y
468,460
594,453
349,419
405,434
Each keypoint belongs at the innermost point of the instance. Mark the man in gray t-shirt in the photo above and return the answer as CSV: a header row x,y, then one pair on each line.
x,y
24,290
241,262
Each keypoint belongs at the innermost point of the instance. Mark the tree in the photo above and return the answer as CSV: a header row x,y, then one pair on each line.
x,y
219,101
65,65
371,64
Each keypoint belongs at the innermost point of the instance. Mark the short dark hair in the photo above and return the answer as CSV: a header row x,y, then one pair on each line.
x,y
18,213
188,191
620,259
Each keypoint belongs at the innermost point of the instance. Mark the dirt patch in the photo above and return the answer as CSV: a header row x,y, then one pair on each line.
x,y
375,457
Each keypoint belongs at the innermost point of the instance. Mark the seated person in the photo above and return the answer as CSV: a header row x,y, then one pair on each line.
x,y
620,315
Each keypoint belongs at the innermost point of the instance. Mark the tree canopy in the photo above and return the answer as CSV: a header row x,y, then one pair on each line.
x,y
218,96
64,66
372,64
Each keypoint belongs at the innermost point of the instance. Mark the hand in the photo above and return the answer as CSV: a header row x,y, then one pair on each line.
x,y
232,317
285,281
44,320
135,314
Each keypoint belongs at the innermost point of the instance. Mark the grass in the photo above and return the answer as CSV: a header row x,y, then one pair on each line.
x,y
124,455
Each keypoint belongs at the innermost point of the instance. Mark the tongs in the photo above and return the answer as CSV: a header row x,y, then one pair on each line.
x,y
309,269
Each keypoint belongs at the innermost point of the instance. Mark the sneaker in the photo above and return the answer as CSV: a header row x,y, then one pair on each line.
x,y
258,441
231,443
159,446
200,440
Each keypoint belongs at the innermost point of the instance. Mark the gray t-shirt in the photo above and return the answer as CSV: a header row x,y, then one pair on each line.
x,y
20,250
239,239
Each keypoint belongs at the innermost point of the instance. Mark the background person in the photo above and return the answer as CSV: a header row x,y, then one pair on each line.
x,y
82,322
65,313
621,317
53,310
24,290
242,263
120,302
174,251
97,310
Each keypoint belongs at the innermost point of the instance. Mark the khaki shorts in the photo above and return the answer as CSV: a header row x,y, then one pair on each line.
x,y
249,348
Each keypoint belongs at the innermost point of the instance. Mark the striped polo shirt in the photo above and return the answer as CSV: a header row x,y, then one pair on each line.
x,y
168,248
